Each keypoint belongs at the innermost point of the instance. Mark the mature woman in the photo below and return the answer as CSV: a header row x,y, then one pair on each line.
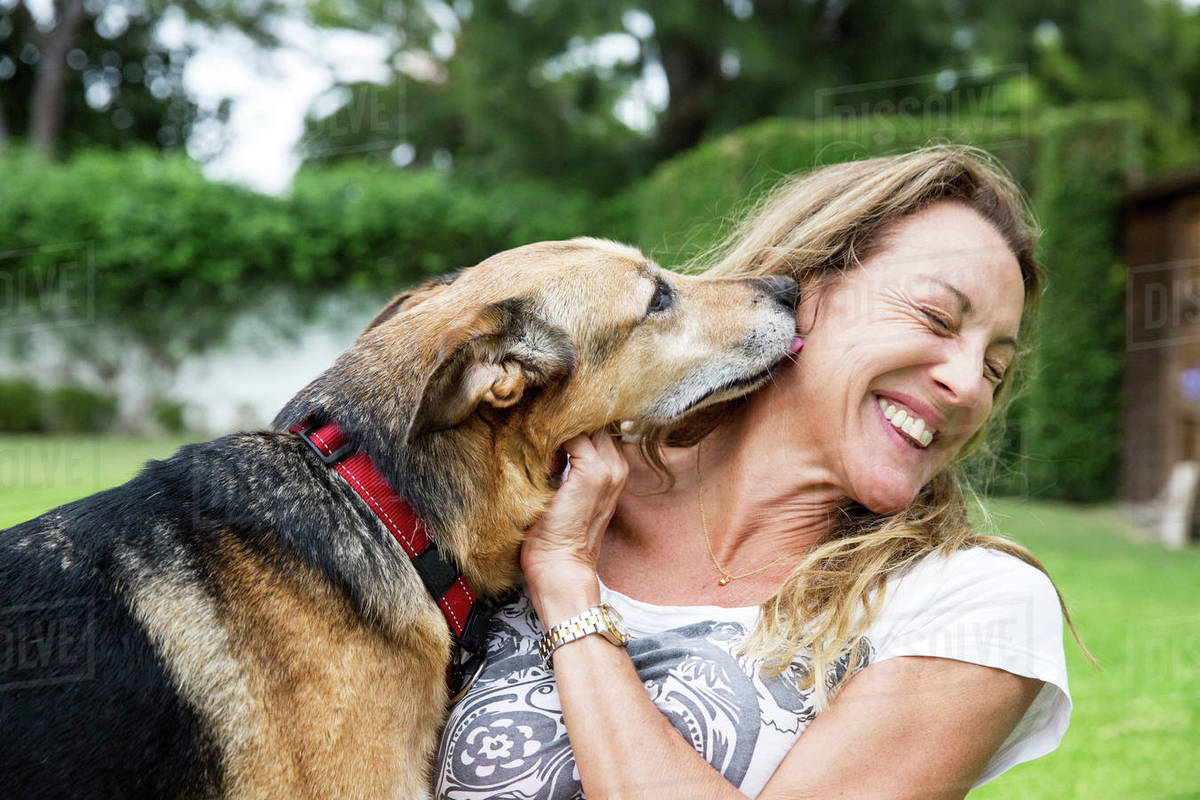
x,y
811,612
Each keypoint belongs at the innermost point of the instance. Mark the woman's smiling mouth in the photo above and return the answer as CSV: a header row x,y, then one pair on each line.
x,y
907,422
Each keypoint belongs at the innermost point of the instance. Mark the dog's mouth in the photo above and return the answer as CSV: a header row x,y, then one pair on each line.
x,y
727,390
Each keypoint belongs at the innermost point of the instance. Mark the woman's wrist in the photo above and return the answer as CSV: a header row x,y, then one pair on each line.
x,y
562,594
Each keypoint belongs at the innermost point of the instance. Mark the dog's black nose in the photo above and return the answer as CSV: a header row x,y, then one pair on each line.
x,y
781,289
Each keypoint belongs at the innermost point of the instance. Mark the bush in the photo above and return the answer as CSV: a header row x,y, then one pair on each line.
x,y
73,409
20,407
169,415
145,246
26,408
1074,419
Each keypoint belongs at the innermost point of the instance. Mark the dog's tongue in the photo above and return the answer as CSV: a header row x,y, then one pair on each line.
x,y
797,343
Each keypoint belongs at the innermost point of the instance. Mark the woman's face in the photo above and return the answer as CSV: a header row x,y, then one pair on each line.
x,y
921,335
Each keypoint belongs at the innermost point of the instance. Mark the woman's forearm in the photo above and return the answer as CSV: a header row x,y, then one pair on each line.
x,y
624,747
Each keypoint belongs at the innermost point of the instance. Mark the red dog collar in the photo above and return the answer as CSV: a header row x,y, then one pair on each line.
x,y
466,615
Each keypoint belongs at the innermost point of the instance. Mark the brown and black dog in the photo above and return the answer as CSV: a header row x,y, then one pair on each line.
x,y
250,628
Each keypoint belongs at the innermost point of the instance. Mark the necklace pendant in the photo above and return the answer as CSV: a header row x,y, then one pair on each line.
x,y
725,580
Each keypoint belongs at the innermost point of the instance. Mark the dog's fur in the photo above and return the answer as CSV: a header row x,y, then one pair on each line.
x,y
242,625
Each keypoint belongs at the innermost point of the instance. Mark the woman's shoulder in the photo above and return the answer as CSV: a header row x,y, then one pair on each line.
x,y
981,572
978,605
987,607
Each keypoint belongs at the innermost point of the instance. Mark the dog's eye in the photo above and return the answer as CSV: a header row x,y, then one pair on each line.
x,y
662,299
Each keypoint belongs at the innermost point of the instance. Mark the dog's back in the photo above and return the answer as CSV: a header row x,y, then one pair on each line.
x,y
87,708
145,656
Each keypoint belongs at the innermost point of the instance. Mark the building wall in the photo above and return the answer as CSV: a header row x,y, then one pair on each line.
x,y
1161,416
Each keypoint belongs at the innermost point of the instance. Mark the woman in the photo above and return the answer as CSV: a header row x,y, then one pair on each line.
x,y
809,567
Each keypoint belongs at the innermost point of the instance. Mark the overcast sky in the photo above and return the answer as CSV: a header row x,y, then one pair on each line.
x,y
271,92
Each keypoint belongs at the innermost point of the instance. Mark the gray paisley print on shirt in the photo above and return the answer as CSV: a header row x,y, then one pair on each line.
x,y
506,739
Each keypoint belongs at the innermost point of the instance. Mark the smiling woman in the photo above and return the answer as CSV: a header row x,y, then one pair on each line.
x,y
903,329
812,613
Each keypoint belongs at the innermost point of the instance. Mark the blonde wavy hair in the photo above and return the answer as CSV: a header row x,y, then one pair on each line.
x,y
814,228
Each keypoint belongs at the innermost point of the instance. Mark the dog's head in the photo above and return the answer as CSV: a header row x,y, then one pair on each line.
x,y
463,389
561,338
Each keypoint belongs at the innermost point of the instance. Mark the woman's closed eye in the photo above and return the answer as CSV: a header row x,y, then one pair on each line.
x,y
941,324
944,325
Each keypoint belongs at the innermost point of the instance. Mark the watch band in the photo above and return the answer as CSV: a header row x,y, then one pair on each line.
x,y
602,619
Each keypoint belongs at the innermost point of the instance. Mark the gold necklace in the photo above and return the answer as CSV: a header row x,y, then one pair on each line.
x,y
726,576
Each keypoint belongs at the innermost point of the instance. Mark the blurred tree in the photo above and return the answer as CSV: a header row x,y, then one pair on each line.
x,y
553,87
506,88
1190,72
87,72
1116,50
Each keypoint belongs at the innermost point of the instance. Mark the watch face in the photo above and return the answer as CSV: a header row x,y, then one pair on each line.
x,y
616,625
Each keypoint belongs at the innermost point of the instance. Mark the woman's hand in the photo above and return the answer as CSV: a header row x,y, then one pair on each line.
x,y
560,550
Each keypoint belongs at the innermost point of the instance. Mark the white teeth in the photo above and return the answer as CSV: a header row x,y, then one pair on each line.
x,y
912,425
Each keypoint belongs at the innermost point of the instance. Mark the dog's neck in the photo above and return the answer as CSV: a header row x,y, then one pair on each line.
x,y
476,487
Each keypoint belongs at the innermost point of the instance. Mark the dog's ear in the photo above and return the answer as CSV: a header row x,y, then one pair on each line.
x,y
494,358
413,297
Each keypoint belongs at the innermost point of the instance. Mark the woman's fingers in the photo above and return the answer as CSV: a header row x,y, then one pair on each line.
x,y
616,470
579,513
610,454
597,460
580,447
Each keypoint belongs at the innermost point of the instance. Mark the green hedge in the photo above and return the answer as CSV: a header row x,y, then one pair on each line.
x,y
1062,437
27,408
20,407
1074,403
160,255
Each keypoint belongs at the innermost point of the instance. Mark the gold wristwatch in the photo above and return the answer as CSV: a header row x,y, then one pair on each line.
x,y
602,619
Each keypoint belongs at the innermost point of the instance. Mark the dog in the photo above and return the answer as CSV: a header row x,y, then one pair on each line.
x,y
249,622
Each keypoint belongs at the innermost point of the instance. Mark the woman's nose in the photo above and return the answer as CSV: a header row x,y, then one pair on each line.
x,y
960,375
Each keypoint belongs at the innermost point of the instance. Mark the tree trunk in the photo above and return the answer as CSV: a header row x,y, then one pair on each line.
x,y
693,68
46,113
3,126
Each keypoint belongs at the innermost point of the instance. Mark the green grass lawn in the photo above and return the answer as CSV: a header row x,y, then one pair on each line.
x,y
38,473
1135,732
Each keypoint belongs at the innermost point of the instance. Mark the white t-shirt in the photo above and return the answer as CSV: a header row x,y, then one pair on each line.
x,y
506,738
